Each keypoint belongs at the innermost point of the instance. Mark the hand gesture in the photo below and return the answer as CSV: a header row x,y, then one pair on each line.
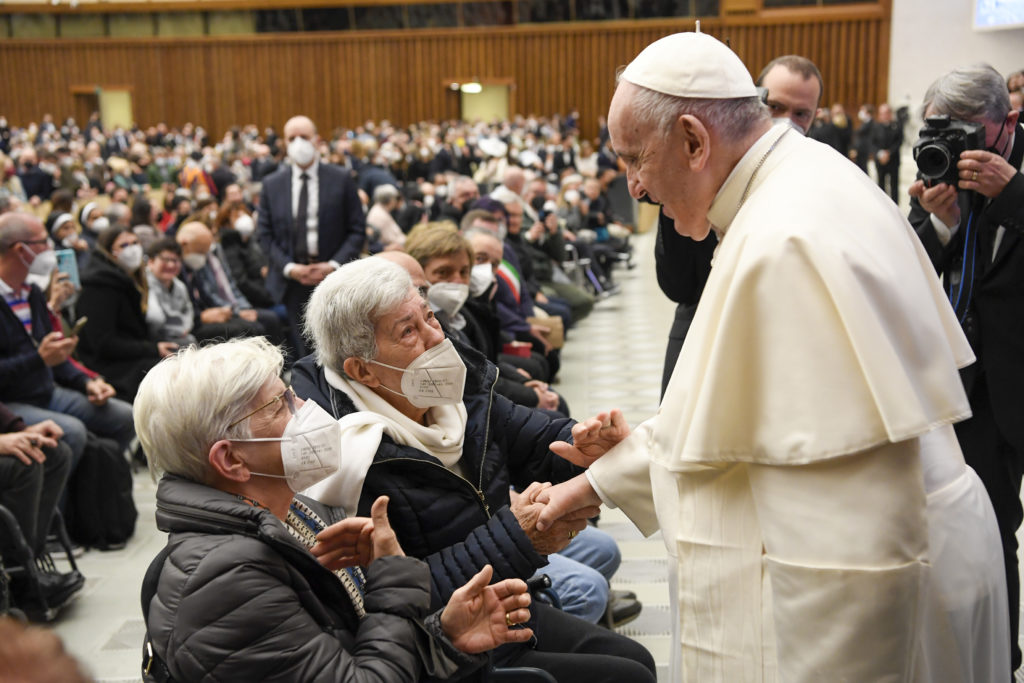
x,y
940,200
479,617
60,290
592,438
357,540
570,498
47,428
54,349
559,532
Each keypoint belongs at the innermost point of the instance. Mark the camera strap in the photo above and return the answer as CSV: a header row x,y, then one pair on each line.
x,y
961,293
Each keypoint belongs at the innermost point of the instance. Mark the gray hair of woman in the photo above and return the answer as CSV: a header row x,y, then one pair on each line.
x,y
343,311
189,401
969,93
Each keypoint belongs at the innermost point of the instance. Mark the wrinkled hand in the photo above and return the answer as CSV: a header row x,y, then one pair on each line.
x,y
994,172
98,391
940,200
555,536
47,428
475,617
358,540
55,348
25,446
570,498
592,438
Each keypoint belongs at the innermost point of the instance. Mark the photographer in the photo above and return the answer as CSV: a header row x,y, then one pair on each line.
x,y
972,233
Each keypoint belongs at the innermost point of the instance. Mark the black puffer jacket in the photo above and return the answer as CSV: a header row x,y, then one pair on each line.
x,y
240,600
459,524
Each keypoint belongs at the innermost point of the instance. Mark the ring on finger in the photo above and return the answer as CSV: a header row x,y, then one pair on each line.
x,y
573,534
508,620
974,176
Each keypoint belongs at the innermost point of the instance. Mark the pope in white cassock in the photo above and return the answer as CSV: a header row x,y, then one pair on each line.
x,y
820,521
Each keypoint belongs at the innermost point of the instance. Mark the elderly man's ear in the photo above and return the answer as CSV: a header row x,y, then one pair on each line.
x,y
695,140
359,370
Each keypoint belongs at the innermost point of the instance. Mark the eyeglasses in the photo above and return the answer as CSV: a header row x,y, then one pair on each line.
x,y
45,240
288,396
169,259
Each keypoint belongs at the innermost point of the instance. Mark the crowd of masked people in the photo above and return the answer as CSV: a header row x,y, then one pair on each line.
x,y
120,248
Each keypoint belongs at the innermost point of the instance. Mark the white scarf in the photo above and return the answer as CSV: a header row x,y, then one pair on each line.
x,y
361,433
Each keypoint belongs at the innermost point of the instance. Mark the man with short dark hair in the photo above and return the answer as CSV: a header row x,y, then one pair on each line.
x,y
794,88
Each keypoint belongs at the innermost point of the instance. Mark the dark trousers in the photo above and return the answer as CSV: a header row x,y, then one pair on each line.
x,y
295,298
676,337
31,493
1000,466
573,650
889,180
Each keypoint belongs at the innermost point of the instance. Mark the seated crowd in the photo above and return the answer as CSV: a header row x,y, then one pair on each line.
x,y
128,258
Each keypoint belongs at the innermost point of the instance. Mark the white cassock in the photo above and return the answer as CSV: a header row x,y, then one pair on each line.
x,y
820,521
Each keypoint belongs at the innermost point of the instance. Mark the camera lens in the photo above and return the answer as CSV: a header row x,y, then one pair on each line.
x,y
933,161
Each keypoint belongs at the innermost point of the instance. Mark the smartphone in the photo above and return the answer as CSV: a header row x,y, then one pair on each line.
x,y
78,326
67,262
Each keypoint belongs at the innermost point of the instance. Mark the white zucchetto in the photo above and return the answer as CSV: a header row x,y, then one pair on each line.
x,y
693,65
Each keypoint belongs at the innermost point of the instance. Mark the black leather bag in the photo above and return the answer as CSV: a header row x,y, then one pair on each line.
x,y
100,510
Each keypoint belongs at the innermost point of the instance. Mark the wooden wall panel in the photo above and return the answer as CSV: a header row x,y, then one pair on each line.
x,y
342,79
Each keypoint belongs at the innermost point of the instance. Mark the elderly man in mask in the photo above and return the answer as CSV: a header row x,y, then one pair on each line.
x,y
820,520
240,594
421,423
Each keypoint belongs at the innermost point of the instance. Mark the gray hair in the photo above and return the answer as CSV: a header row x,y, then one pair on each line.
x,y
732,118
969,93
15,227
117,211
343,311
385,193
186,402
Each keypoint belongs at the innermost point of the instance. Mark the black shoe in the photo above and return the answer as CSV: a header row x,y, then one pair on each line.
x,y
620,595
54,590
620,612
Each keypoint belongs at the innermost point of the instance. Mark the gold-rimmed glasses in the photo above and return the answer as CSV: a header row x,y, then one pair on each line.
x,y
288,396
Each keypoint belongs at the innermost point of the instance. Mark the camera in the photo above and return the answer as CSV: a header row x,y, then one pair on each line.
x,y
938,148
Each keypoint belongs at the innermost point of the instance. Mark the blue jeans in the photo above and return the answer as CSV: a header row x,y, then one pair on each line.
x,y
580,573
72,411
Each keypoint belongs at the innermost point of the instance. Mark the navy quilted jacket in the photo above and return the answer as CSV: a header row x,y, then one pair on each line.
x,y
459,524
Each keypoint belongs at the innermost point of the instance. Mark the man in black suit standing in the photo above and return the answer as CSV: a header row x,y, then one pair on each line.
x,y
886,142
973,236
310,223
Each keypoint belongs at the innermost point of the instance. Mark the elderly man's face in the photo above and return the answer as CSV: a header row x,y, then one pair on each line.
x,y
792,96
659,166
486,249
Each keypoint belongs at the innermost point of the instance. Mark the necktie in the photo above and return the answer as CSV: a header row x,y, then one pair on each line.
x,y
301,218
221,278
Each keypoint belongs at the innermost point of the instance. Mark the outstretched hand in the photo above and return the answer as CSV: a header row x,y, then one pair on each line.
x,y
479,617
592,438
565,500
357,540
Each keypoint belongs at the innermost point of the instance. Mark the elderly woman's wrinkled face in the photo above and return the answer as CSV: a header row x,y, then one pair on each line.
x,y
402,335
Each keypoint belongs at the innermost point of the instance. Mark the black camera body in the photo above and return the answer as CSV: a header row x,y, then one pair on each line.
x,y
938,148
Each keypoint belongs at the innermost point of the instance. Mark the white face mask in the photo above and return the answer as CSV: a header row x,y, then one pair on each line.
x,y
130,257
481,277
245,225
99,224
436,377
301,151
70,241
194,261
310,447
448,296
43,263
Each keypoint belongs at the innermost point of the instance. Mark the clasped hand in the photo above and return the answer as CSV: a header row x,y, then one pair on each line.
x,y
555,536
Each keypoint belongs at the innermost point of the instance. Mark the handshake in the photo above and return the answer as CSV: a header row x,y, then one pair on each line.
x,y
551,516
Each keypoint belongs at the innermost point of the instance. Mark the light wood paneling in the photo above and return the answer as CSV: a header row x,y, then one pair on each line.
x,y
342,79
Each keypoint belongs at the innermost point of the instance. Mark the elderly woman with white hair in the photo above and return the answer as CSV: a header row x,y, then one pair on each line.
x,y
422,424
239,595
380,219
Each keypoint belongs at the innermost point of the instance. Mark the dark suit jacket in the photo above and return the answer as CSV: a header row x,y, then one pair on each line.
x,y
342,224
995,324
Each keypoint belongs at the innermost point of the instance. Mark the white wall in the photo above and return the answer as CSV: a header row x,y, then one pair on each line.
x,y
930,37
